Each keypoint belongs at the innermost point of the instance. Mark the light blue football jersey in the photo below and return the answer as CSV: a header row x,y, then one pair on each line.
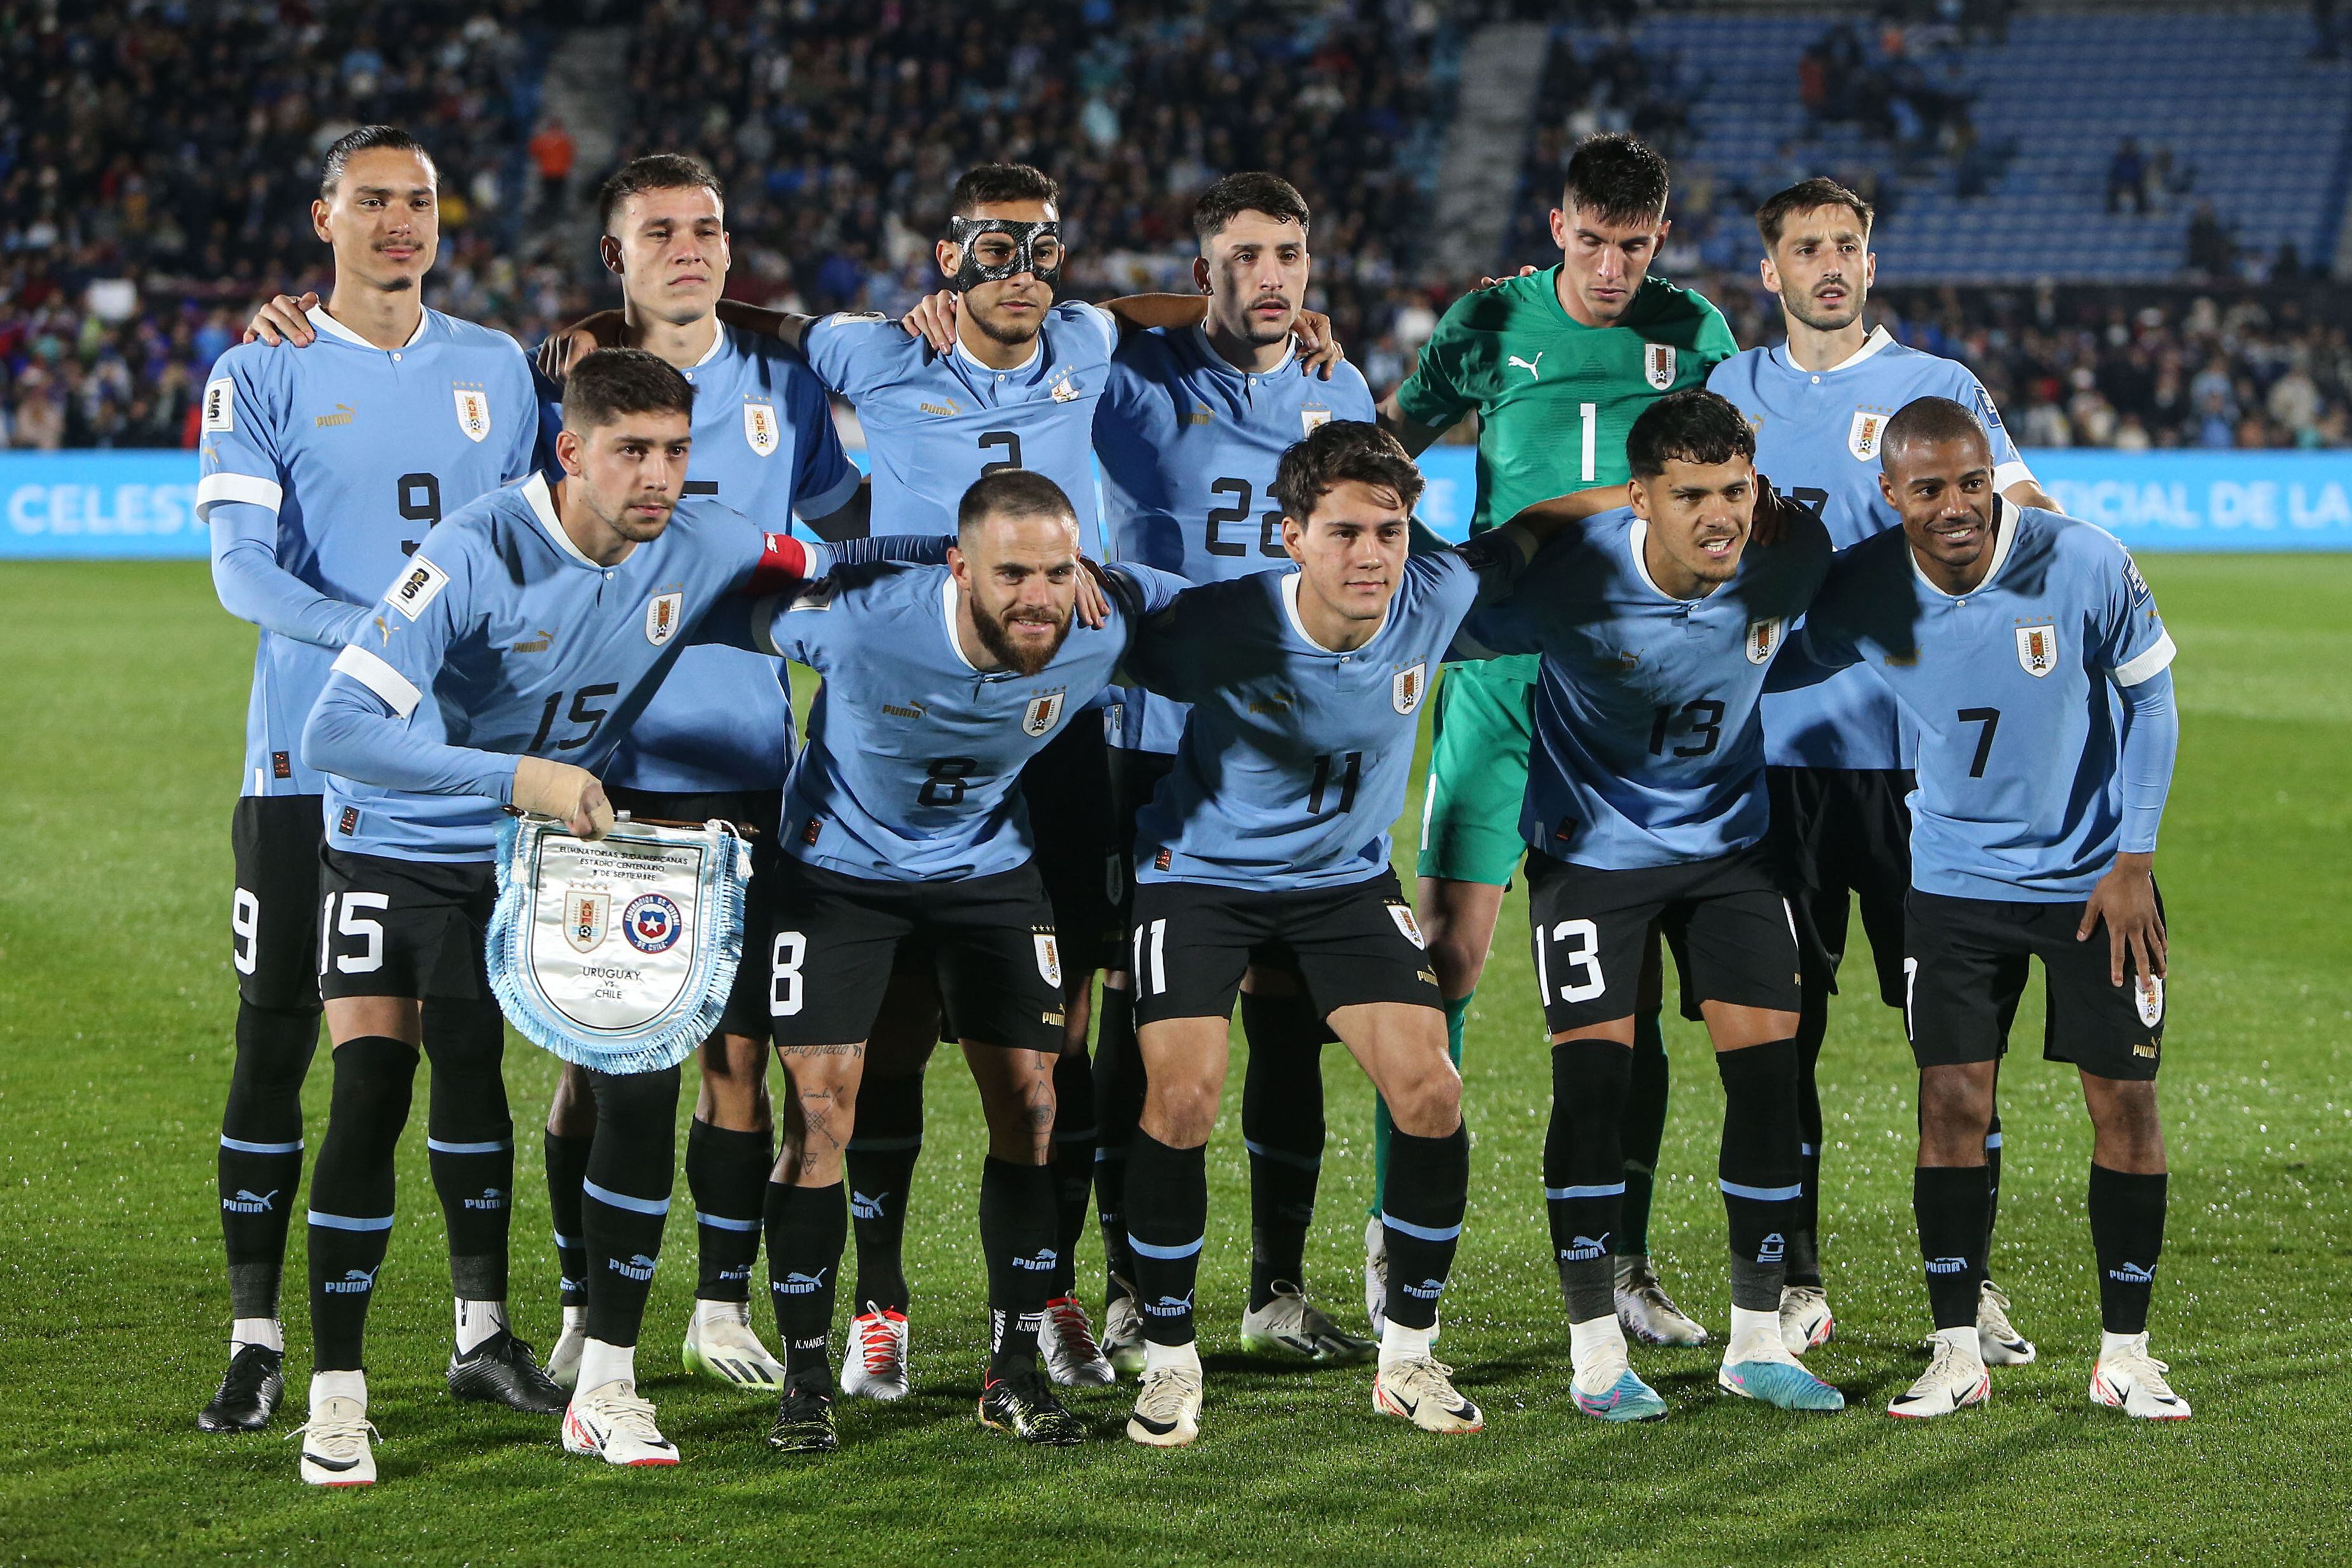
x,y
1189,445
497,638
914,757
1649,750
2020,795
934,423
339,456
1817,440
1296,759
764,445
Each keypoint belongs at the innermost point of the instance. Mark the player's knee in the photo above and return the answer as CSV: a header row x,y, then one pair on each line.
x,y
1429,1103
733,1090
1955,1110
1184,1106
2129,1132
573,1112
1457,960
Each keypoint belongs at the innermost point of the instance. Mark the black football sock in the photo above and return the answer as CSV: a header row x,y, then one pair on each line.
x,y
1585,1173
626,1195
1804,1224
880,1167
1074,1165
351,1192
1993,1168
1016,1236
1642,1130
727,1176
1282,1130
261,1150
1167,1220
807,1227
1757,1169
470,1140
1949,1204
567,1162
1428,1192
2127,1236
1118,1105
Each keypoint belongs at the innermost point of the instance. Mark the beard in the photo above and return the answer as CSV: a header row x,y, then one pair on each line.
x,y
1823,319
1010,334
1023,659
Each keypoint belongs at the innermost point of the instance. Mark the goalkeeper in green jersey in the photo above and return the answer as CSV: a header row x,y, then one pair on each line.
x,y
1558,364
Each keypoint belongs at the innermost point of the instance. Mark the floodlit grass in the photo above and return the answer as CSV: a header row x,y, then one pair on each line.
x,y
121,716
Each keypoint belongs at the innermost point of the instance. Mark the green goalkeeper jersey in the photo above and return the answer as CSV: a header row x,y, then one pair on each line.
x,y
1556,398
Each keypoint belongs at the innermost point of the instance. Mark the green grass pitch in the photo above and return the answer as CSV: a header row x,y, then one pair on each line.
x,y
122,710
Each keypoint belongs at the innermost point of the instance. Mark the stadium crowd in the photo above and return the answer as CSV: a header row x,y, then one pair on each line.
x,y
129,258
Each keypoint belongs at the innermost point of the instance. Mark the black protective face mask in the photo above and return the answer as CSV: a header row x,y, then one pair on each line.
x,y
1024,236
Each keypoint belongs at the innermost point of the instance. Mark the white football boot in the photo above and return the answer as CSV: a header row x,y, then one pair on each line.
x,y
1805,1320
874,1366
335,1447
1420,1389
611,1422
563,1362
1650,1314
1294,1327
1122,1340
721,1345
2132,1380
1954,1378
1168,1409
2001,1344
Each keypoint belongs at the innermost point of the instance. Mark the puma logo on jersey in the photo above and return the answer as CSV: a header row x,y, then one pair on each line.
x,y
947,410
342,415
1529,365
535,645
913,711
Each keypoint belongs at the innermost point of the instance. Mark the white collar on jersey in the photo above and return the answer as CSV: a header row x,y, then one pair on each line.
x,y
718,346
542,502
2005,522
1036,347
1879,337
1290,608
317,316
948,622
1218,361
1636,539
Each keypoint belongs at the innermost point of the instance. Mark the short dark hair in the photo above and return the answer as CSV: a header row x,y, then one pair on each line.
x,y
1931,419
1804,196
654,172
367,138
1694,425
609,383
1336,452
1011,492
984,184
1249,193
1616,177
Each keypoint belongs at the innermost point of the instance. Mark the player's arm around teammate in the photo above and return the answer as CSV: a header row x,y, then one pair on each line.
x,y
1306,688
1557,364
1644,805
2029,650
456,699
319,472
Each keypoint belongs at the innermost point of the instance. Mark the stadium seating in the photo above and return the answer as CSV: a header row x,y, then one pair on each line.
x,y
140,217
2048,105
